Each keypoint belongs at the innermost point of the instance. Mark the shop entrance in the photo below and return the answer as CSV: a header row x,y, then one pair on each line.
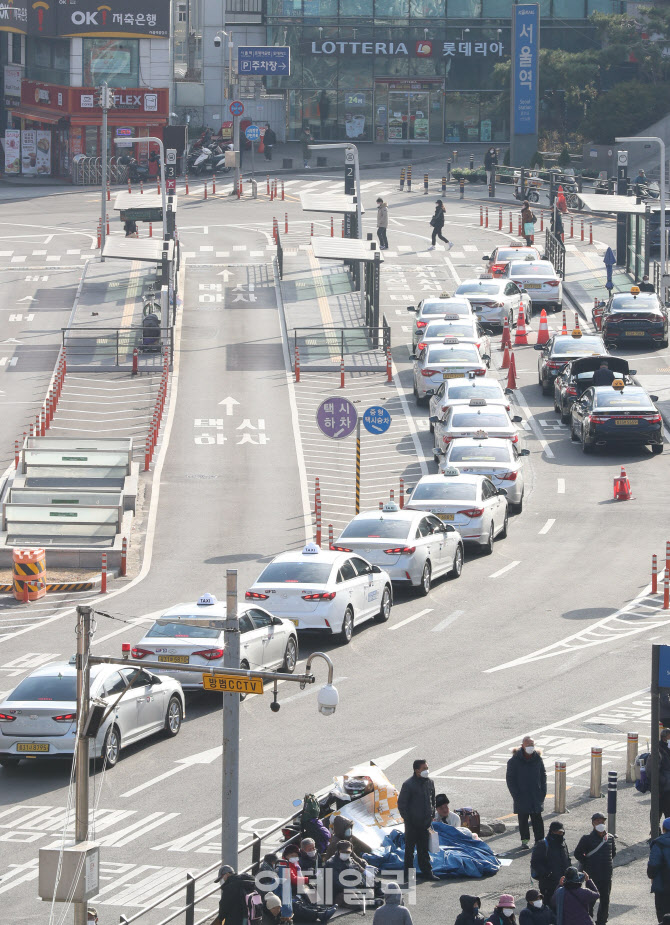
x,y
409,116
408,110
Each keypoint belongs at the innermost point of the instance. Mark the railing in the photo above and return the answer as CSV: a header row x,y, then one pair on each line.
x,y
87,171
323,349
280,257
554,250
664,293
114,346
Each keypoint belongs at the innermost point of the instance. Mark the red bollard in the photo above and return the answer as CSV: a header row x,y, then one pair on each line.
x,y
391,495
124,556
510,223
142,187
213,183
481,215
186,184
389,366
401,499
272,193
136,357
311,230
282,191
267,191
342,372
666,590
590,232
667,555
486,220
500,219
520,228
151,229
158,185
147,454
297,364
43,423
542,220
342,227
582,235
332,227
16,454
317,493
109,193
654,570
330,536
205,193
99,235
103,574
381,505
285,222
130,189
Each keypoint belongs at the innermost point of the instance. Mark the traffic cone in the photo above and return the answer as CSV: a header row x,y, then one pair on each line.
x,y
576,331
511,376
622,490
564,329
521,336
543,329
506,339
505,359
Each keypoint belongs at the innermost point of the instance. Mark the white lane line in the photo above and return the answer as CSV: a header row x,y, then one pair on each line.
x,y
534,425
448,621
506,568
421,613
149,618
560,486
547,527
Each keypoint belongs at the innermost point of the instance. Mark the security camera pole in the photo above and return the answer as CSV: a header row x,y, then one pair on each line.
x,y
82,753
231,730
106,101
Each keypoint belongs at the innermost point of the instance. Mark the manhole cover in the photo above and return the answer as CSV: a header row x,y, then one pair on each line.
x,y
196,475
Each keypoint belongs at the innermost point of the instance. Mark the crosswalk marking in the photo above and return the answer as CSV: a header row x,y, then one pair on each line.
x,y
39,253
17,259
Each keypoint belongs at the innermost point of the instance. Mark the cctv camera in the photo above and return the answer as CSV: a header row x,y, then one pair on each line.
x,y
217,41
328,699
275,707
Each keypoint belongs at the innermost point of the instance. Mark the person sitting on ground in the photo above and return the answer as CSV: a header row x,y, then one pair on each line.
x,y
574,898
291,860
536,912
470,912
503,914
309,858
603,375
272,910
342,829
444,814
343,860
392,912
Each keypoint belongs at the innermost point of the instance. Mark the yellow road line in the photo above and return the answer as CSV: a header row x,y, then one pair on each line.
x,y
320,290
134,291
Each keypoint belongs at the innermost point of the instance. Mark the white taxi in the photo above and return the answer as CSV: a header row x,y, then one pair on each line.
x,y
539,279
471,503
324,590
467,330
473,418
496,458
447,360
495,299
460,391
412,546
436,307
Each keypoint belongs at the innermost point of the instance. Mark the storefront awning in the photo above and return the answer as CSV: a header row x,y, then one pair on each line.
x,y
38,115
119,118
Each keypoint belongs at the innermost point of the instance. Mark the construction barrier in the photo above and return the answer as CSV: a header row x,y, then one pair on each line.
x,y
29,574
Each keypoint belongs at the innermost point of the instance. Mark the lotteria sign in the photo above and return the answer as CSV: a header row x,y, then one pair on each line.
x,y
360,48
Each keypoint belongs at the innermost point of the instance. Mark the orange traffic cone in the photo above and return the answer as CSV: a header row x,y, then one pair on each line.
x,y
576,331
511,376
521,336
543,330
564,329
622,490
505,360
506,339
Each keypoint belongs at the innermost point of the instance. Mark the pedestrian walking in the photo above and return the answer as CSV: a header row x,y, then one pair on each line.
x,y
490,164
537,912
382,223
306,139
596,852
471,911
575,898
528,221
233,899
437,221
416,805
393,912
557,225
269,141
658,871
527,784
92,916
550,859
503,914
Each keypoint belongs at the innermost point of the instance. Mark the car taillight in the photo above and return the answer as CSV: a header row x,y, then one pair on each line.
x,y
612,319
341,549
570,390
508,476
401,551
6,718
553,282
421,324
445,408
480,372
141,653
656,319
421,346
552,364
518,282
319,596
498,268
598,418
493,304
256,596
429,372
65,718
515,438
654,419
210,654
447,440
472,512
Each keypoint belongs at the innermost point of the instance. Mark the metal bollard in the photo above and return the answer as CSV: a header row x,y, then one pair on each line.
x,y
472,162
409,179
654,575
461,184
444,186
611,801
448,171
559,786
631,755
425,184
402,179
596,771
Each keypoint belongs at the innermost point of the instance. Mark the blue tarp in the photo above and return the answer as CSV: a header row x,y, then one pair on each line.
x,y
460,855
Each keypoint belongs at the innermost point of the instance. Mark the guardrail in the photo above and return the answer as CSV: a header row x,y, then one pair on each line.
x,y
325,349
87,171
554,250
114,346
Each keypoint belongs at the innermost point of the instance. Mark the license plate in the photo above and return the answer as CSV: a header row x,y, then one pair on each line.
x,y
629,423
446,516
533,286
452,375
181,659
634,333
295,622
32,747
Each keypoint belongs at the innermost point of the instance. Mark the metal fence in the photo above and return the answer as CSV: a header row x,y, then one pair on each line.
x,y
87,171
114,347
554,250
324,349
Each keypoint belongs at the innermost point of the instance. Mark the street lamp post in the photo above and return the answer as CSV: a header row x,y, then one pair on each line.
x,y
661,144
158,141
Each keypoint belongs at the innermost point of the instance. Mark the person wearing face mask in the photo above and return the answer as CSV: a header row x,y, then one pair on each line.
x,y
503,914
549,859
527,783
470,912
342,862
416,805
309,859
596,852
536,911
342,830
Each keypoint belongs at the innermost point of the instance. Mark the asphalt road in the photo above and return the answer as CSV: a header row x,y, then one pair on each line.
x,y
531,638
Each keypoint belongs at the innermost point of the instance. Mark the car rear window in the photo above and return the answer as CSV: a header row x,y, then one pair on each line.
x,y
636,305
384,528
468,391
479,454
481,288
436,308
444,354
45,688
510,253
577,345
531,269
484,419
451,328
296,572
449,490
627,399
182,631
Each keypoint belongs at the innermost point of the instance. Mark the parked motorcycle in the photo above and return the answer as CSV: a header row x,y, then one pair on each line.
x,y
647,190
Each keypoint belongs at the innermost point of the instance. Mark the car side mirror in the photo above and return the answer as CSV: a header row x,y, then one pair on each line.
x,y
412,356
411,308
632,372
155,680
375,570
517,419
538,347
524,452
509,391
502,491
430,393
409,489
486,257
277,621
433,419
486,358
524,291
654,397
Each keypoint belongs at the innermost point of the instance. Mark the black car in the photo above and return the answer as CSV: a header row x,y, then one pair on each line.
x,y
575,378
634,317
606,414
559,350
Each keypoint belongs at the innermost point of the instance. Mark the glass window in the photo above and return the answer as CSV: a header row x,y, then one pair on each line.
x,y
356,72
356,8
182,631
426,9
246,626
114,685
16,48
569,9
361,566
91,140
496,8
435,524
114,60
307,573
602,6
319,71
378,528
392,9
48,60
284,7
136,678
261,618
347,571
424,529
355,115
464,9
46,687
319,8
481,419
445,491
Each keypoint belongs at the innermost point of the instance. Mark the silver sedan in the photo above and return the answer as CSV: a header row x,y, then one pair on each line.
x,y
493,300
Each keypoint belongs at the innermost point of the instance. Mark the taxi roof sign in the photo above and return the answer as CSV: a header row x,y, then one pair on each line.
x,y
205,600
634,290
444,295
451,340
451,471
477,402
311,549
390,507
618,384
577,332
452,318
480,434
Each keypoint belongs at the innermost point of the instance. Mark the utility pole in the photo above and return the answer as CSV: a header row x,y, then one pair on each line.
x,y
104,103
231,729
81,825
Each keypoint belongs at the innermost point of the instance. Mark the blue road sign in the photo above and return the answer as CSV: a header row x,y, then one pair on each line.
x,y
264,59
377,420
252,132
664,666
236,108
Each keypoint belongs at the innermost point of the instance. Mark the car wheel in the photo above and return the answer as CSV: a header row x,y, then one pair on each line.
x,y
573,435
586,447
290,656
457,567
347,630
656,448
488,548
111,747
518,507
546,389
503,532
9,762
557,407
245,667
565,418
385,609
424,585
173,717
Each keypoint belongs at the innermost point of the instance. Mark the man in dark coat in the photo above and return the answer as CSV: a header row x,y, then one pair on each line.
x,y
269,141
471,910
645,285
527,783
658,870
550,859
234,889
342,862
595,852
664,771
416,805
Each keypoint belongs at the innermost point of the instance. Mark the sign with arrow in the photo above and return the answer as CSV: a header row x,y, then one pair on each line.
x,y
264,60
228,405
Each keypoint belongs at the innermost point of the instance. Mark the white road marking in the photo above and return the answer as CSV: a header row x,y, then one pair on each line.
x,y
421,613
505,569
560,486
534,425
547,527
448,621
206,757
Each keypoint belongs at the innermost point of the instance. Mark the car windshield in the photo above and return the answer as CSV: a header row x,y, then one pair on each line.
x,y
307,573
444,308
479,288
381,527
444,328
511,253
479,391
482,419
449,490
46,688
183,631
571,346
444,354
480,454
635,305
629,398
531,269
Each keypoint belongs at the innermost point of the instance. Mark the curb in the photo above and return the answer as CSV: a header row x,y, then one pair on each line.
x,y
70,586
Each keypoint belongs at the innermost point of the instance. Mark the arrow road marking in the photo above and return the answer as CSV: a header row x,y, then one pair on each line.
x,y
228,404
28,298
206,757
